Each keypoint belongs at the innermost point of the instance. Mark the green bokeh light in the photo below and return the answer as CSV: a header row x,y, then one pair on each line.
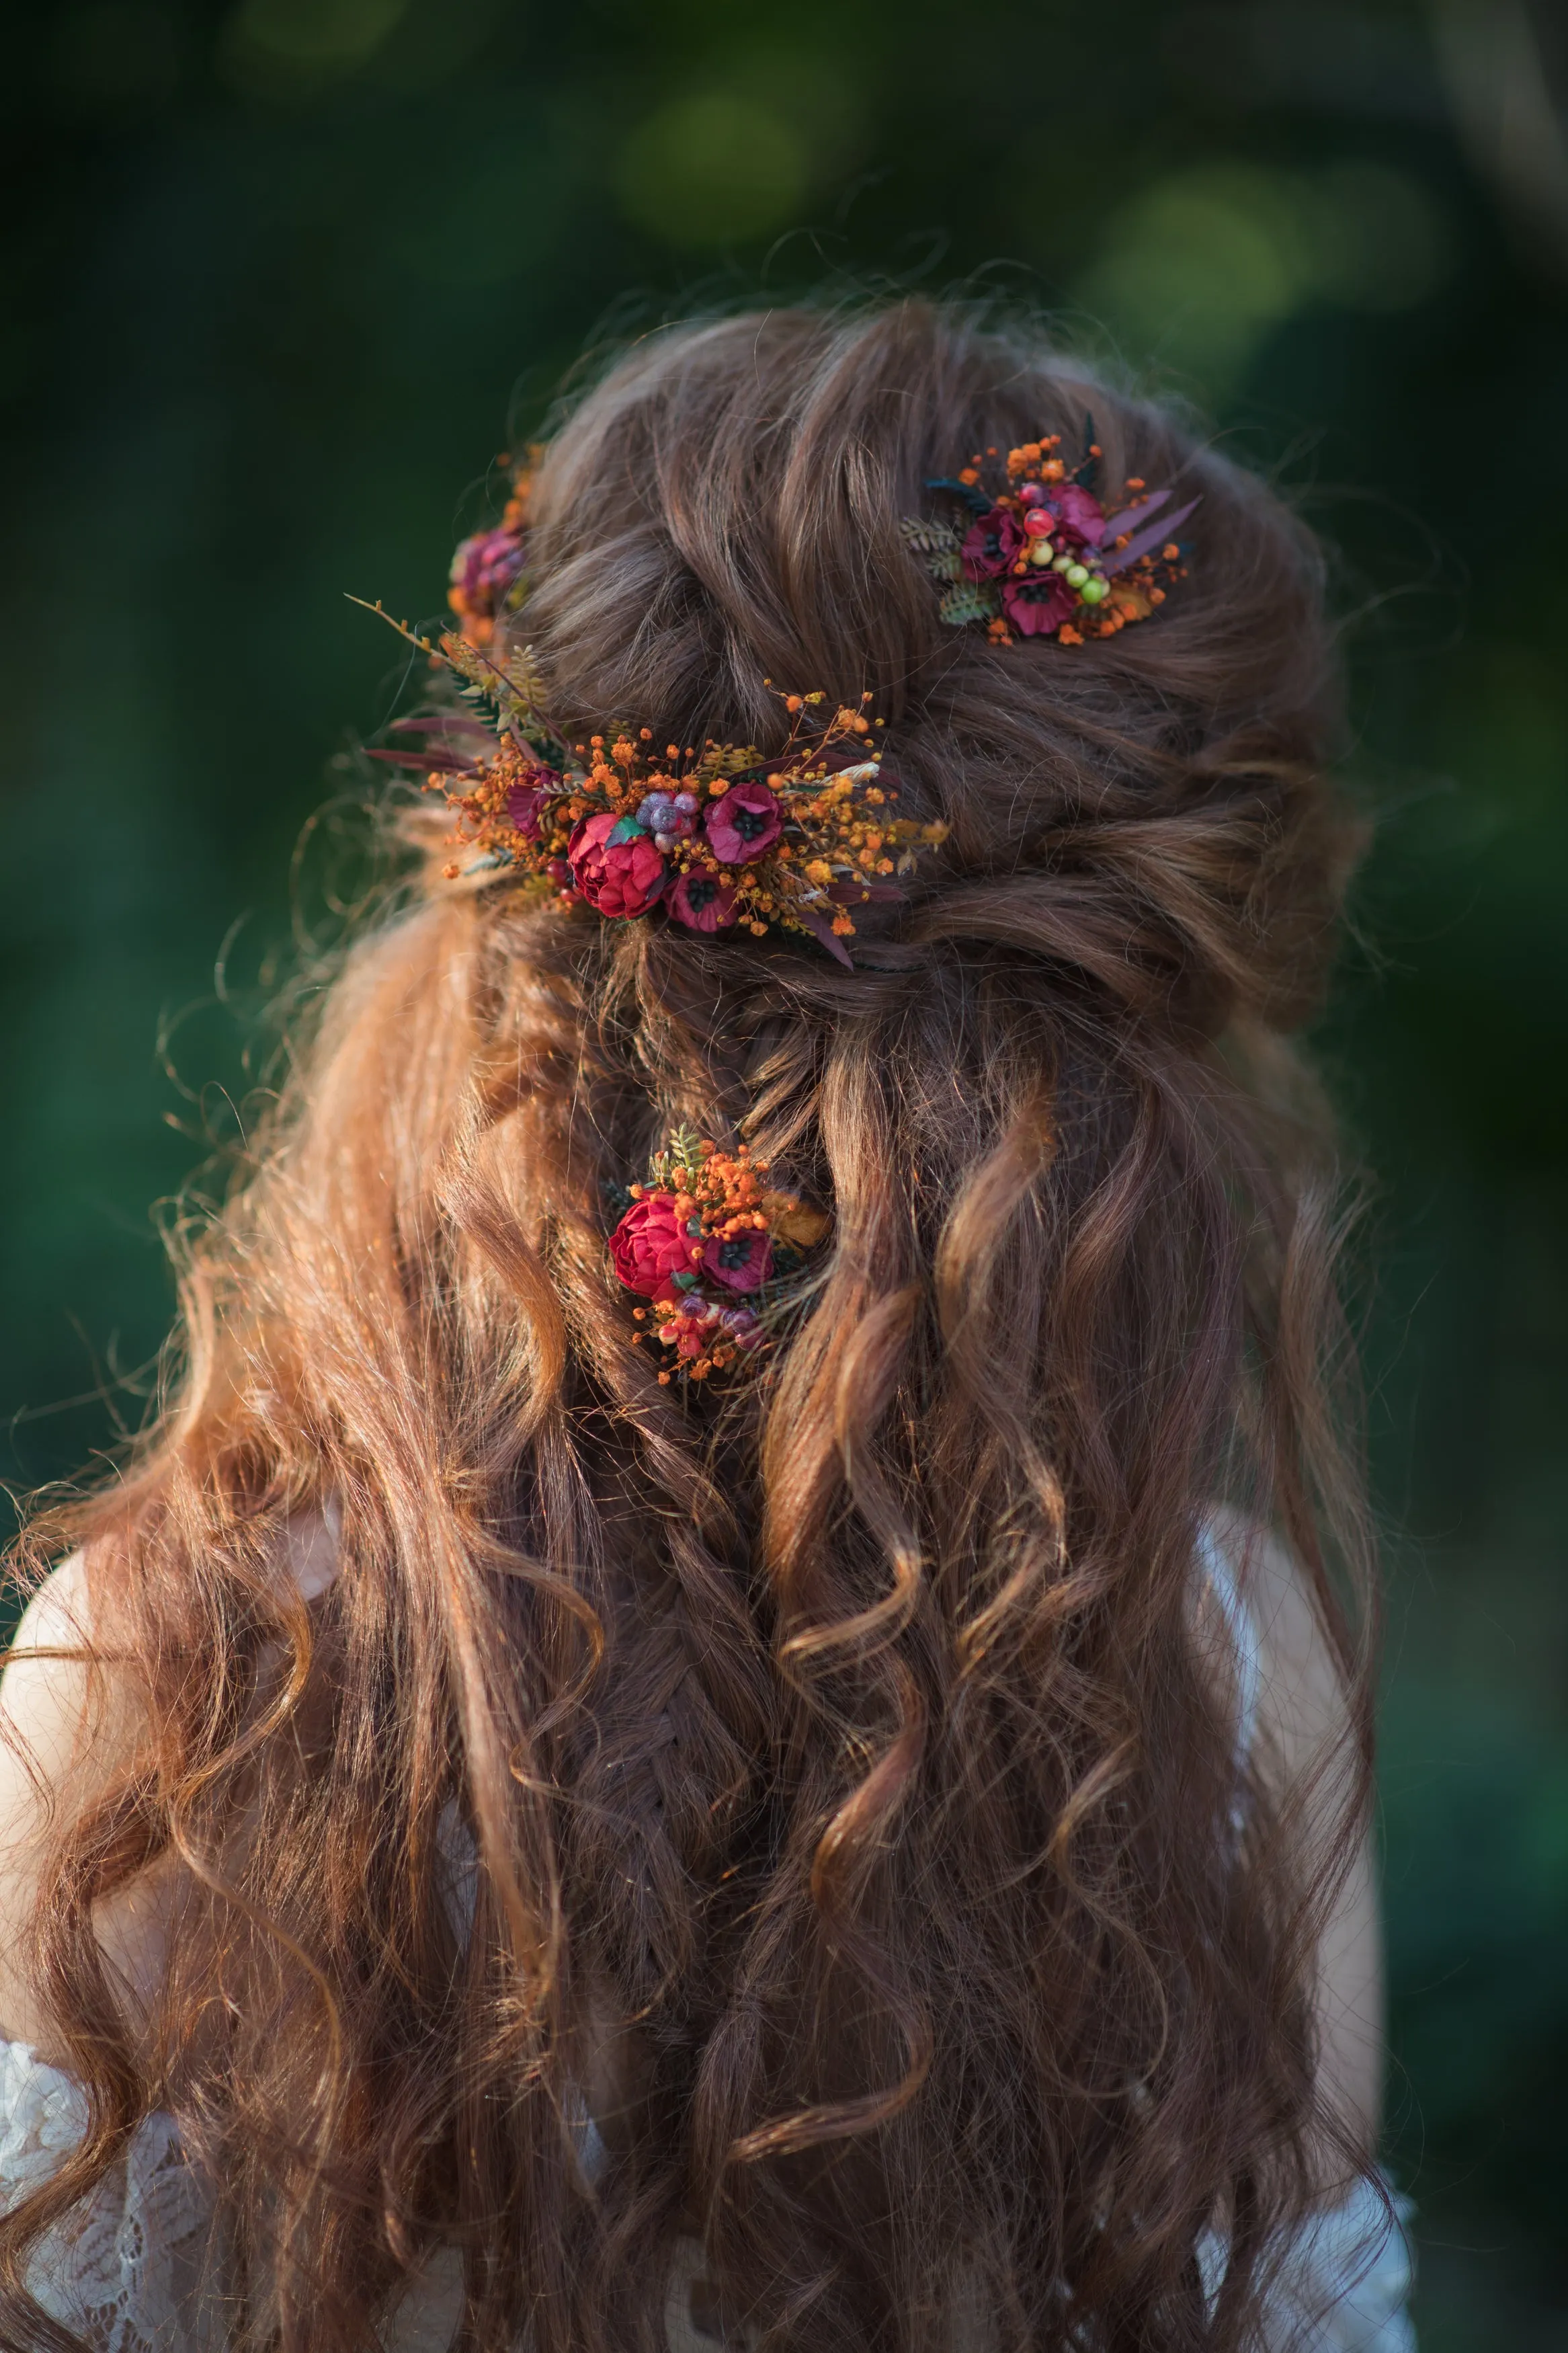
x,y
712,170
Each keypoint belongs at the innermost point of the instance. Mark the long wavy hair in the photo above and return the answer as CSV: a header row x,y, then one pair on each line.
x,y
854,1791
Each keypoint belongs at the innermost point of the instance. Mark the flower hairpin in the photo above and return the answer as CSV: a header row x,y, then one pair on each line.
x,y
718,1255
488,578
715,838
1040,556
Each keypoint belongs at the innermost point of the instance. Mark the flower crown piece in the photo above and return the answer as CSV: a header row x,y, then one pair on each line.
x,y
715,838
1041,556
490,570
716,1253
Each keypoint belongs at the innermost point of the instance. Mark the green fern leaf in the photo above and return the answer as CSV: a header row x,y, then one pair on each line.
x,y
970,600
928,538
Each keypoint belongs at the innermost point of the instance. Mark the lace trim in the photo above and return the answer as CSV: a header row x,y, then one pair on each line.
x,y
127,2272
124,2270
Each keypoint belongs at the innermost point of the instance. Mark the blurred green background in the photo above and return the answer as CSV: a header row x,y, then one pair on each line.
x,y
284,276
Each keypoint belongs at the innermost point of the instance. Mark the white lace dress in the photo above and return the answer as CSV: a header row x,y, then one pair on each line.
x,y
127,2270
134,2272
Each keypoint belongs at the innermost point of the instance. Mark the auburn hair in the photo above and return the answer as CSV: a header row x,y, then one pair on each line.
x,y
840,1746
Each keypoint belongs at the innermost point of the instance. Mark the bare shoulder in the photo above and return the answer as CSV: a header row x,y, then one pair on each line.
x,y
67,1721
72,1715
1300,1691
66,1716
1303,1742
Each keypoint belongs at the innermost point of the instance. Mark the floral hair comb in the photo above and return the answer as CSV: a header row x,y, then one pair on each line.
x,y
489,571
1040,555
718,1256
715,838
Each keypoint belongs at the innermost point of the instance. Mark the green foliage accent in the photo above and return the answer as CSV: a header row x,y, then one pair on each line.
x,y
928,537
482,705
970,600
510,689
679,1163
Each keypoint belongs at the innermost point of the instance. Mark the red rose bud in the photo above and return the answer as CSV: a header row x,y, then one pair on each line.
x,y
743,824
650,1246
697,1334
622,876
991,544
740,1261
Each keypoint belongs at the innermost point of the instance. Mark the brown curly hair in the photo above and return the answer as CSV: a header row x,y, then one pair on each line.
x,y
838,1747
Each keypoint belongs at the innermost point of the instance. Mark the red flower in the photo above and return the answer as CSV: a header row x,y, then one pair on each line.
x,y
1038,603
696,1333
618,878
991,544
740,1261
702,902
651,1245
743,825
1080,514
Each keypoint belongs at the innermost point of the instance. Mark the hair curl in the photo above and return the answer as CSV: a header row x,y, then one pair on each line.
x,y
839,1751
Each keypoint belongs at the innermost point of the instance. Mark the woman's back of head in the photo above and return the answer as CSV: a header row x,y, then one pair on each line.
x,y
836,1742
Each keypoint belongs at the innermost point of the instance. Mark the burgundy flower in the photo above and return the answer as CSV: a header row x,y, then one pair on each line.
x,y
618,878
703,903
650,1246
744,824
740,1261
527,797
1038,603
991,544
483,571
1080,514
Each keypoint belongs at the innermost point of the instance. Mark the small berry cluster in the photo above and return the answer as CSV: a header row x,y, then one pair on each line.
x,y
713,1250
1041,557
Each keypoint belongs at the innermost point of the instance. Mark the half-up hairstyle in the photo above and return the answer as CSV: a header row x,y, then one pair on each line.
x,y
859,1820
